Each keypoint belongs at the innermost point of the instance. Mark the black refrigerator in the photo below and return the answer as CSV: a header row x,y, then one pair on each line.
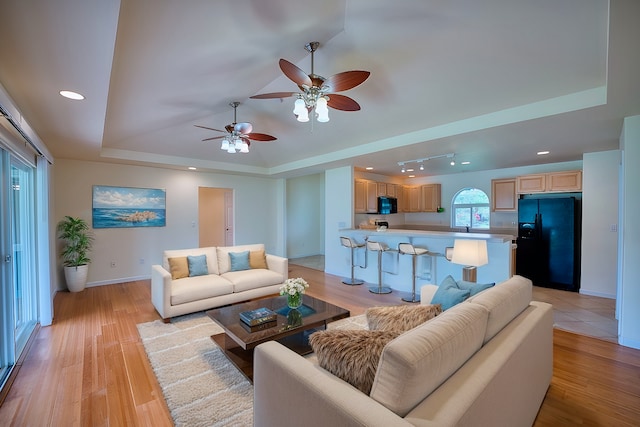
x,y
548,241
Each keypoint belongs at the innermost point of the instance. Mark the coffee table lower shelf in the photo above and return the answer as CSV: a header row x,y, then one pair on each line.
x,y
243,359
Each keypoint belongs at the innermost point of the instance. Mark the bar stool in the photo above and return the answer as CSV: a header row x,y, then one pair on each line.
x,y
409,249
348,242
380,248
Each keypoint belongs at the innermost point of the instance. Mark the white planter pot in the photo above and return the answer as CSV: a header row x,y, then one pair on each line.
x,y
76,277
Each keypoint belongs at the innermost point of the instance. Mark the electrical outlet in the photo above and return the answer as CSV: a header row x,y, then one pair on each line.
x,y
113,264
141,261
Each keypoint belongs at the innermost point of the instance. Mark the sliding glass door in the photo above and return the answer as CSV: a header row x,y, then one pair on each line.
x,y
18,293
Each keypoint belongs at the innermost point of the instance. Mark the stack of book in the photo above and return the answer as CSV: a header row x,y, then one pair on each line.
x,y
259,319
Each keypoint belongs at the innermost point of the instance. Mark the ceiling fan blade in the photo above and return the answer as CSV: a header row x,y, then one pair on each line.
x,y
260,136
346,80
273,95
215,137
204,127
243,128
341,102
295,74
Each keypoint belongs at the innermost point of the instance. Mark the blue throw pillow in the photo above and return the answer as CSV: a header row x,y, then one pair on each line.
x,y
197,265
448,294
239,261
474,288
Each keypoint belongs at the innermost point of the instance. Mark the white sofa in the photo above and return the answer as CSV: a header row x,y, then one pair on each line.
x,y
221,286
484,362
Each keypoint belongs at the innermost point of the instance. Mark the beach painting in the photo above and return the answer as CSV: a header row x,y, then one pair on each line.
x,y
125,207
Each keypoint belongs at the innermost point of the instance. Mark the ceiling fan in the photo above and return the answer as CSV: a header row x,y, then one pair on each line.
x,y
318,92
238,135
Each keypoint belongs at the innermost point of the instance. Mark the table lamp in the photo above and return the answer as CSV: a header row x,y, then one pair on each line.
x,y
471,254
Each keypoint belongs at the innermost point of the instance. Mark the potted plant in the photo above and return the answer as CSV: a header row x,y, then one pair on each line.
x,y
74,232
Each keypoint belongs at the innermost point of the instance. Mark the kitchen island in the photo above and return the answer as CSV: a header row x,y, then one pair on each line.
x,y
429,269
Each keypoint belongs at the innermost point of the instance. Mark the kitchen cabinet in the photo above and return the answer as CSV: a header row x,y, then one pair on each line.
x,y
382,188
430,197
503,195
552,182
365,196
564,181
531,183
411,198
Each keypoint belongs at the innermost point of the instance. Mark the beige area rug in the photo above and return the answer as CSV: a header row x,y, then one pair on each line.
x,y
200,385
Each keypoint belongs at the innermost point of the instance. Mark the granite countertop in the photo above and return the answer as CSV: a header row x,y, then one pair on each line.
x,y
489,237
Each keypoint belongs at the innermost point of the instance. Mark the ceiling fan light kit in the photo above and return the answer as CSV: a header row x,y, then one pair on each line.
x,y
317,93
238,135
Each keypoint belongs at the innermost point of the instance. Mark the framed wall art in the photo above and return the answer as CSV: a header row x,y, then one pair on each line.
x,y
125,207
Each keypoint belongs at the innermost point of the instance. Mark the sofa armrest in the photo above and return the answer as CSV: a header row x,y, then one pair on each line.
x,y
289,389
279,265
161,290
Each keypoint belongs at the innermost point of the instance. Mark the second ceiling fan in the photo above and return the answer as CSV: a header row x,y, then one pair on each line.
x,y
238,135
318,92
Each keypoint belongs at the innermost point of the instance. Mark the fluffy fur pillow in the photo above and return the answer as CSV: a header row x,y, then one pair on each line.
x,y
351,355
400,318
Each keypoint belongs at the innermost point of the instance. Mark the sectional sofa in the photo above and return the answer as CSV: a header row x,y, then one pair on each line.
x,y
191,280
486,361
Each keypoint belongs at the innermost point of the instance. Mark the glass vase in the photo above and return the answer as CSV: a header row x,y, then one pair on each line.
x,y
294,301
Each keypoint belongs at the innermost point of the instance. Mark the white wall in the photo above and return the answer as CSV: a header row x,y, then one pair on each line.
x,y
629,274
258,206
305,216
338,215
600,223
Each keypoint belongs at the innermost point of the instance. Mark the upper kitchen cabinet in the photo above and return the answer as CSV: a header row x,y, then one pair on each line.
x,y
503,195
430,197
553,182
366,196
564,181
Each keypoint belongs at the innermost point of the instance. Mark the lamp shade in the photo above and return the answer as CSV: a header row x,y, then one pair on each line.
x,y
470,252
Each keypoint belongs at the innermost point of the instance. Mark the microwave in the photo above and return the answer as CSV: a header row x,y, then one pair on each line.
x,y
387,205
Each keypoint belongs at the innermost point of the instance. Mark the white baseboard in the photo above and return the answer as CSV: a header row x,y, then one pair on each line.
x,y
596,294
119,280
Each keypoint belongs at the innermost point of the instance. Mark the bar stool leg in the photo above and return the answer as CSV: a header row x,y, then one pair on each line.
x,y
353,281
380,289
413,297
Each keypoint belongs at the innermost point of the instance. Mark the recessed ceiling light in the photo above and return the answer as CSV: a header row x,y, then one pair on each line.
x,y
369,168
540,153
409,170
412,176
465,163
191,168
72,95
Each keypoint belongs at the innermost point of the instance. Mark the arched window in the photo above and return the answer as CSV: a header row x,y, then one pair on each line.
x,y
470,208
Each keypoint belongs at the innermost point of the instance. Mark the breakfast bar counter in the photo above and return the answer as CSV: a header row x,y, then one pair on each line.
x,y
430,269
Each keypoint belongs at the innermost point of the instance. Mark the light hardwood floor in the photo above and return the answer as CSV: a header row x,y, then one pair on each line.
x,y
89,368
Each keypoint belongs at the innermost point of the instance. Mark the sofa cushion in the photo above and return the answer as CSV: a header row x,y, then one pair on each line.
x,y
197,265
417,362
222,253
448,294
210,252
257,259
504,302
178,267
239,261
198,288
351,355
400,318
252,279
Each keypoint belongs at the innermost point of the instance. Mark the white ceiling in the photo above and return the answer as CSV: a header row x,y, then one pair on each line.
x,y
493,81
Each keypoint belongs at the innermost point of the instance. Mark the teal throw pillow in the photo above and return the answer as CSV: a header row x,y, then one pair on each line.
x,y
448,294
197,265
239,261
474,288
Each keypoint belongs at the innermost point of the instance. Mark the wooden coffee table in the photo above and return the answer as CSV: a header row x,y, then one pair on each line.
x,y
238,341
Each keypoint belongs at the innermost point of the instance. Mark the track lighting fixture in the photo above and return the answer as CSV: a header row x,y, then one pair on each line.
x,y
424,159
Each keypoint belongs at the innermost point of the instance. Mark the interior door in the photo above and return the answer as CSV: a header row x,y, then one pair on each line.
x,y
215,216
